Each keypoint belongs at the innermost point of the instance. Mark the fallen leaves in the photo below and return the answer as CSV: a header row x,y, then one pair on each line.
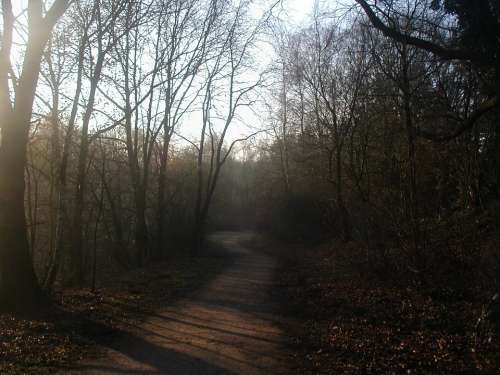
x,y
82,318
351,324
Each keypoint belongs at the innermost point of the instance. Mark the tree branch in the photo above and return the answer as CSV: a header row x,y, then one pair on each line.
x,y
442,52
484,108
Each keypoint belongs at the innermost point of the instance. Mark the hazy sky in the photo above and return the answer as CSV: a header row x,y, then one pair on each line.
x,y
298,10
294,14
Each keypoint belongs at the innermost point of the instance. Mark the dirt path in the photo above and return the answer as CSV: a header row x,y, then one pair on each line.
x,y
228,327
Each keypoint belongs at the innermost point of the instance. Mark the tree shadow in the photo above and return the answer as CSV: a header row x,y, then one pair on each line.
x,y
221,327
145,357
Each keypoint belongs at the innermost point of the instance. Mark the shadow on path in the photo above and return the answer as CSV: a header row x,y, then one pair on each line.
x,y
227,327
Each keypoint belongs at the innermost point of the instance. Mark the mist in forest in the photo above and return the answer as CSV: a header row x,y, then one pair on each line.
x,y
346,142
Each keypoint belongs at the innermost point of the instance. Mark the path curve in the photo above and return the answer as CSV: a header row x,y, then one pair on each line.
x,y
227,327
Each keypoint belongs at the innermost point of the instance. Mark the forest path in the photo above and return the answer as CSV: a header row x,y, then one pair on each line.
x,y
227,327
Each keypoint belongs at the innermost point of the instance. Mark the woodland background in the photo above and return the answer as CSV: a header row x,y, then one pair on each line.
x,y
378,128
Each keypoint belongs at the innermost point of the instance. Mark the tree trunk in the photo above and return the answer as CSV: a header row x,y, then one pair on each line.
x,y
162,187
412,204
119,251
197,226
141,229
19,288
139,188
62,183
75,275
344,214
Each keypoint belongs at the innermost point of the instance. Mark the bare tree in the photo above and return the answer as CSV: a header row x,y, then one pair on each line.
x,y
188,47
385,19
61,63
105,38
223,80
16,269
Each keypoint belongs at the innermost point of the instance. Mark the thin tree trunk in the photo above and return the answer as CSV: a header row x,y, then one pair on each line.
x,y
62,212
412,204
75,275
284,130
96,227
162,187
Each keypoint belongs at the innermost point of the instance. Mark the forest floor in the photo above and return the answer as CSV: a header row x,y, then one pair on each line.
x,y
351,322
82,321
228,325
254,306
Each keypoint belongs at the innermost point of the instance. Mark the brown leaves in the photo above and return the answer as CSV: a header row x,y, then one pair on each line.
x,y
83,318
32,344
352,324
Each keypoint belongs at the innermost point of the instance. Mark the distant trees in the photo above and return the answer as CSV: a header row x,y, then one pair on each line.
x,y
225,87
117,154
463,38
387,123
110,176
186,52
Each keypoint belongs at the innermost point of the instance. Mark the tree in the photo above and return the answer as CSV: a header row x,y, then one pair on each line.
x,y
224,85
106,36
478,33
188,47
19,287
84,17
